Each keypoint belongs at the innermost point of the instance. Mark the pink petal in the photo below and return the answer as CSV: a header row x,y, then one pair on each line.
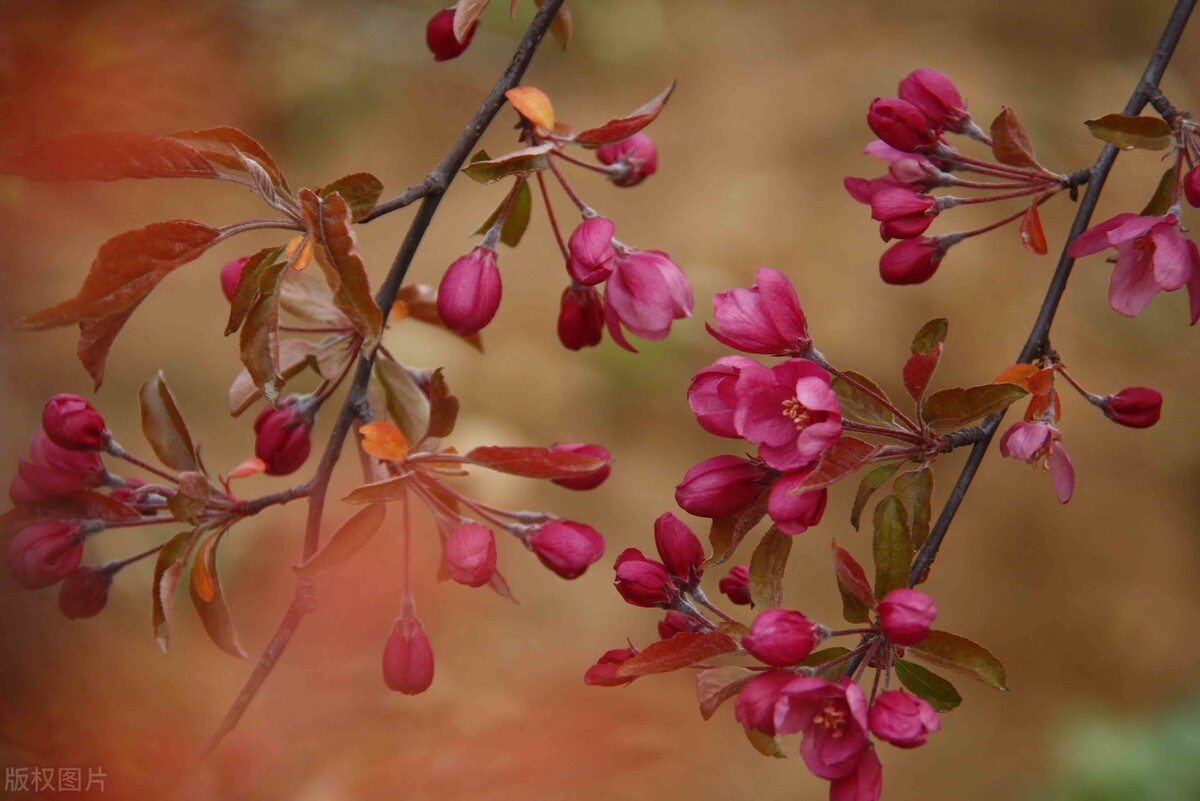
x,y
1135,227
1023,440
1172,261
1133,285
1062,472
1095,239
1194,283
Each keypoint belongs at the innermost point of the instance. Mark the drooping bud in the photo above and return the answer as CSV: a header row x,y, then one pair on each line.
x,y
72,423
591,480
581,317
902,212
780,637
902,719
901,125
679,548
677,623
642,581
905,616
1136,407
567,548
469,293
755,705
720,486
231,276
912,261
439,36
736,585
631,161
795,512
44,553
604,672
590,253
52,471
937,98
766,318
408,657
470,553
282,437
84,592
1191,186
712,395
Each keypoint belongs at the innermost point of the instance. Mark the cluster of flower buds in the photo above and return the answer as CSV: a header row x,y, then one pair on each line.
x,y
911,131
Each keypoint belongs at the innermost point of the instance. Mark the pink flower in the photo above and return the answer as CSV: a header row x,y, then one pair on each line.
x,y
1038,444
469,293
863,189
646,293
45,553
84,592
937,98
766,318
901,125
905,616
642,581
755,705
591,480
832,719
677,623
580,317
631,161
720,486
780,637
864,783
72,423
679,548
904,213
590,251
1136,407
470,553
790,411
231,276
913,261
1152,256
604,672
902,719
52,471
712,395
736,585
282,437
567,548
794,512
408,657
439,36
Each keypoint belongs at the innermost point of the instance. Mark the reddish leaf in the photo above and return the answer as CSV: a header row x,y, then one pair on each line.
x,y
727,533
892,546
1032,235
164,427
384,441
931,335
96,339
108,156
625,127
532,104
534,462
251,466
1010,144
466,14
717,685
1127,133
443,407
209,600
561,26
684,649
855,588
379,492
360,191
259,341
167,571
247,290
961,655
350,537
222,146
914,488
918,371
862,400
767,566
843,458
954,408
190,498
520,162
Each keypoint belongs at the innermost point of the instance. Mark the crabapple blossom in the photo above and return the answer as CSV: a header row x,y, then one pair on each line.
x,y
790,411
720,486
913,261
282,437
590,480
72,423
676,623
470,552
832,719
864,783
469,293
631,160
1039,444
679,548
755,705
604,672
712,395
580,317
781,637
642,581
52,471
590,251
440,39
736,585
937,98
901,125
1135,407
645,293
84,592
231,276
905,616
44,553
902,719
408,657
766,318
794,512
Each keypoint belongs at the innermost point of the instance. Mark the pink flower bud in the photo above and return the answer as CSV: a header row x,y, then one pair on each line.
x,y
911,261
632,160
902,719
937,98
901,125
766,318
1136,407
795,512
902,212
712,395
643,582
590,253
231,276
469,294
408,657
679,548
720,486
905,616
677,623
1191,186
567,548
84,592
916,172
439,36
755,705
581,317
780,637
470,553
591,480
72,423
736,585
44,553
52,471
282,437
604,672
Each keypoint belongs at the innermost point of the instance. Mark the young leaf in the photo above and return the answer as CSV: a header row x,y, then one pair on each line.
x,y
384,441
443,407
892,547
684,649
1164,195
1032,235
226,146
295,355
561,26
1127,133
863,407
931,336
767,566
345,542
765,744
961,655
914,488
518,217
360,191
209,601
838,461
954,408
379,492
939,693
727,533
167,571
627,126
466,14
247,287
825,660
190,497
534,462
717,685
259,341
406,404
1010,144
108,156
520,162
164,428
532,104
855,588
918,371
866,488
96,338
496,584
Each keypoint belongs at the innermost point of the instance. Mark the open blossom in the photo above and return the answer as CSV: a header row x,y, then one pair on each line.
x,y
902,719
790,411
794,512
469,293
590,253
631,161
864,783
755,705
780,637
832,719
645,293
906,615
580,317
766,318
52,471
1152,256
720,486
567,548
1039,444
712,395
604,672
736,585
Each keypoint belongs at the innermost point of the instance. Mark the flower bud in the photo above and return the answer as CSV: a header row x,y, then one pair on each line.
x,y
52,471
720,486
408,657
712,395
937,98
470,553
581,317
631,161
604,672
590,253
916,172
755,705
84,592
905,616
902,719
72,423
766,318
736,585
643,582
679,548
1191,186
44,553
780,637
795,512
282,437
231,276
590,480
677,623
1136,407
439,36
911,261
901,125
469,294
902,212
567,548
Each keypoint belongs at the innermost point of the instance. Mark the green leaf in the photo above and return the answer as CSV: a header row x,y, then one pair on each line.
x,y
950,651
954,408
406,404
1127,133
853,585
717,685
683,650
167,571
892,546
345,542
1164,195
866,488
922,683
360,190
521,162
914,488
767,566
727,533
827,657
931,335
518,215
164,428
765,744
209,600
838,461
864,407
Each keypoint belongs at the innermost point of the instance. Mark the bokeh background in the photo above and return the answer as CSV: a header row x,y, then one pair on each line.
x,y
1092,606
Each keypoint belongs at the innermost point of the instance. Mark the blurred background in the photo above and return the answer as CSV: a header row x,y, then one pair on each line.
x,y
1091,605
